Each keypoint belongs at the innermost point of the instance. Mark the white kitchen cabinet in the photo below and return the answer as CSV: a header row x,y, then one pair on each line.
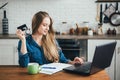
x,y
92,43
8,52
117,60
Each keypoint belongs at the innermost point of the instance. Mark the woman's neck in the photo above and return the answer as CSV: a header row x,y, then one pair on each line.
x,y
37,38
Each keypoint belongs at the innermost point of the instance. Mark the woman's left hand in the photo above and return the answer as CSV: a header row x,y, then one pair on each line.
x,y
78,60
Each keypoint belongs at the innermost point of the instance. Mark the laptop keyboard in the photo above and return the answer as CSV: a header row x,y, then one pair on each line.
x,y
83,67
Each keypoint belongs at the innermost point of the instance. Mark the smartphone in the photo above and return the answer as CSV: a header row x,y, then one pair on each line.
x,y
22,27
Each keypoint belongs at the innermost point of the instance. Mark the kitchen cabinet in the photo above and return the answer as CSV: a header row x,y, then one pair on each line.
x,y
92,43
8,52
117,60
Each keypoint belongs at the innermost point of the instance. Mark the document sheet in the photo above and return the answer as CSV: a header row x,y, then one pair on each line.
x,y
52,68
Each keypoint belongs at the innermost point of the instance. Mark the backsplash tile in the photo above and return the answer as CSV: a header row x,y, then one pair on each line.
x,y
71,11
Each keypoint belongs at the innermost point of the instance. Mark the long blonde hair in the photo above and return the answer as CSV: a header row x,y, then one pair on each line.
x,y
48,41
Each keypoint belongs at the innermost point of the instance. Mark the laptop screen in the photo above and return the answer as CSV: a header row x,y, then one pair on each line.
x,y
102,57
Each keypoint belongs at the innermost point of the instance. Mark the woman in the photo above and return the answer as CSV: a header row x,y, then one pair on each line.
x,y
41,46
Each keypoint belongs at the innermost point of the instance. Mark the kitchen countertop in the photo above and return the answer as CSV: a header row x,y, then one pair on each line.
x,y
9,36
14,36
88,37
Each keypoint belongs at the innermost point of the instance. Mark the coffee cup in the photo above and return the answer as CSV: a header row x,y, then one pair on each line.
x,y
33,68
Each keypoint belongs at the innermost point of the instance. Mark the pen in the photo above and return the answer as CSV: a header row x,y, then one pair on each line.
x,y
49,67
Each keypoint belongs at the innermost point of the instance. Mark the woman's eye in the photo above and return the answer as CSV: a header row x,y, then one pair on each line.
x,y
44,25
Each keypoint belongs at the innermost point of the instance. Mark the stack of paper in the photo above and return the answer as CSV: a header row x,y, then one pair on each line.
x,y
53,67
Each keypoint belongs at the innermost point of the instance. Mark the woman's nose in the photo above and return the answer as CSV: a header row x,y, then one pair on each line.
x,y
47,27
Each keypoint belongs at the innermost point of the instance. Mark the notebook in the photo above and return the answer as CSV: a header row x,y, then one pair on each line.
x,y
102,59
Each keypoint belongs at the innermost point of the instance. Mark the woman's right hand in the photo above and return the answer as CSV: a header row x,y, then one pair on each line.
x,y
20,34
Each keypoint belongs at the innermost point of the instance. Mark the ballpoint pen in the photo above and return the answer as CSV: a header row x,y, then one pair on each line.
x,y
48,67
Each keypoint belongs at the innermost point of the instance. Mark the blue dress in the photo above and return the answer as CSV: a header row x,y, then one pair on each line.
x,y
35,54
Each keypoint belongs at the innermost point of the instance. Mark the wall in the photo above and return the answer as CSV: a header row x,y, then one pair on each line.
x,y
71,11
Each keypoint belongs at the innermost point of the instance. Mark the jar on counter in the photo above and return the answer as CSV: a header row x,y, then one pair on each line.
x,y
64,28
114,31
71,31
99,31
90,32
85,26
109,31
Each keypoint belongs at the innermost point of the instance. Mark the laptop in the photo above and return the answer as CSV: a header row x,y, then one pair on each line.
x,y
102,59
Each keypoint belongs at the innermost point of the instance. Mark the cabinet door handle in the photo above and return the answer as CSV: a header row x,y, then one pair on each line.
x,y
118,50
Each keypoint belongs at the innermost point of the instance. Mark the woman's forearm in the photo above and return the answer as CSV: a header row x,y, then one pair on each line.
x,y
23,47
